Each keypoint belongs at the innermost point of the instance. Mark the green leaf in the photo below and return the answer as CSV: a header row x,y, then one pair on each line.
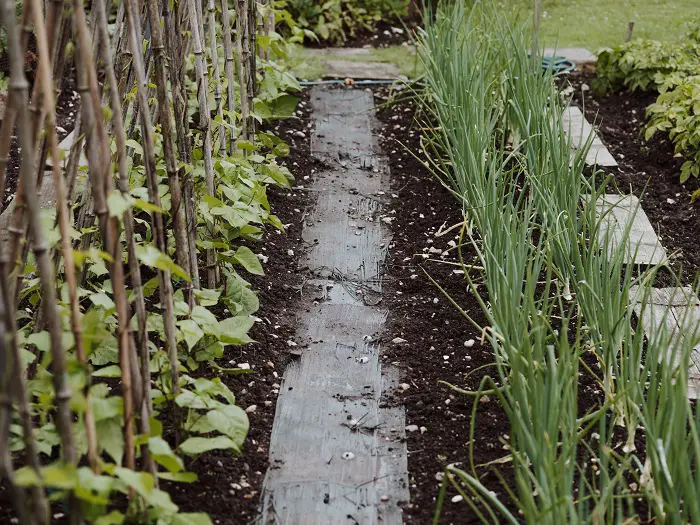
x,y
207,297
232,421
113,518
108,371
191,332
246,258
180,477
195,446
27,477
151,256
110,438
206,320
118,203
59,476
148,207
143,484
240,299
191,518
234,331
163,455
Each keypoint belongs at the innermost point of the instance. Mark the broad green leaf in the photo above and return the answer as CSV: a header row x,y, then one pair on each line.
x,y
191,518
151,256
181,477
246,258
207,297
110,438
163,455
191,332
27,477
102,300
143,484
232,421
118,203
113,518
234,331
147,206
108,371
195,446
59,476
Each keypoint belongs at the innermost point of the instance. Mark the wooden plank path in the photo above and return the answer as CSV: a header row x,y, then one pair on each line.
x,y
677,310
578,129
338,452
643,245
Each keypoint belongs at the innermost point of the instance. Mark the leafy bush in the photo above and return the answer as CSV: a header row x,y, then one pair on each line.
x,y
673,70
677,112
646,65
694,31
336,20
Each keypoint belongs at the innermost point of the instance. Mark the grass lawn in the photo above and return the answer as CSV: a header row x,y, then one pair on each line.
x,y
309,66
600,23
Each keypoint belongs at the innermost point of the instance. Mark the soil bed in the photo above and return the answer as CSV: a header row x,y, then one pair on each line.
x,y
435,331
648,168
229,487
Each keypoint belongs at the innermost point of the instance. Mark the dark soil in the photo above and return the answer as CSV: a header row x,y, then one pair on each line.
x,y
384,35
435,332
647,168
229,487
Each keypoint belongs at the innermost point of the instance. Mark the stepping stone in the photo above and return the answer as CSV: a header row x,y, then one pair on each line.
x,y
578,55
643,245
578,129
337,450
339,51
47,199
339,69
678,310
65,145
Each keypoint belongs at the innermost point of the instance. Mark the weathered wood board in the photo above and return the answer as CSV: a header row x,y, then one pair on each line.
x,y
338,453
643,245
578,129
678,311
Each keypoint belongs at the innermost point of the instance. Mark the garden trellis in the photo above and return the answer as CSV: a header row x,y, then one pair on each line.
x,y
71,281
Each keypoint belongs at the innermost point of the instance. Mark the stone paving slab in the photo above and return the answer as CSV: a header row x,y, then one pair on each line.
x,y
643,245
676,310
577,55
340,69
578,129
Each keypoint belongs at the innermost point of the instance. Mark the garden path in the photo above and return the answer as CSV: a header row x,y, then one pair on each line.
x,y
338,452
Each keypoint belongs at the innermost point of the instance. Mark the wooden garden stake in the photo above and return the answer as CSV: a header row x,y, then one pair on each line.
x,y
243,49
63,216
630,29
217,74
176,208
175,49
204,124
101,182
20,86
145,407
229,67
164,280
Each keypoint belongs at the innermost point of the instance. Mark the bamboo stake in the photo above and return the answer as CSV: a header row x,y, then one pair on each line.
x,y
98,163
217,74
243,49
166,290
164,117
230,76
251,70
175,48
15,380
63,216
19,84
129,234
204,125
